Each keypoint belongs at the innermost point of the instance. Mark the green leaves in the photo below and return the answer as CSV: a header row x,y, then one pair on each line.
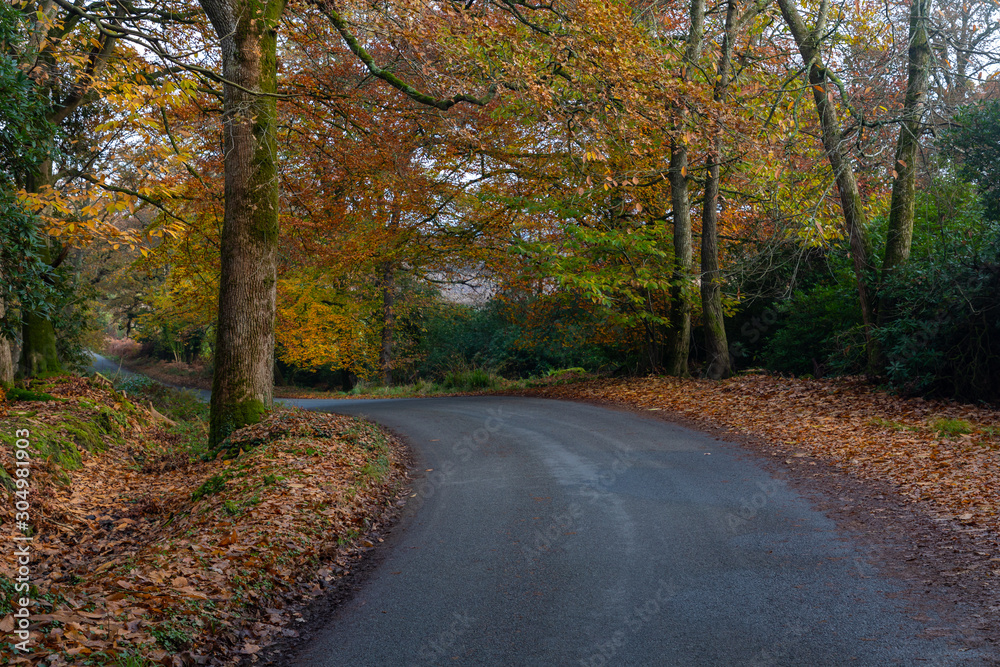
x,y
973,140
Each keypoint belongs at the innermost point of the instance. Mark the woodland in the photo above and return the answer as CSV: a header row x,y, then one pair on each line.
x,y
323,194
780,218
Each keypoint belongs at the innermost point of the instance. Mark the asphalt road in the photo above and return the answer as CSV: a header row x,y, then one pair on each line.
x,y
554,533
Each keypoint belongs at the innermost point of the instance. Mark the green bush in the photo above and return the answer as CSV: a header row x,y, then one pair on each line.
x,y
493,337
944,338
817,332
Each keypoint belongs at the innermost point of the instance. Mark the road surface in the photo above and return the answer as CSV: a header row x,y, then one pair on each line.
x,y
554,533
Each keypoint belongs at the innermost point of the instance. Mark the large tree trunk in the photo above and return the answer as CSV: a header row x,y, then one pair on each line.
x,y
38,347
855,219
719,365
899,237
243,386
388,320
39,355
679,336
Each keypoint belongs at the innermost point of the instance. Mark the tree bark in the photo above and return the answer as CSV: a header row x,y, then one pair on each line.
x,y
719,365
678,343
38,347
388,320
855,220
243,384
679,337
899,237
39,355
6,350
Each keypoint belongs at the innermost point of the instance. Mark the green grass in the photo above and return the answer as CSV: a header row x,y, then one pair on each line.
x,y
990,431
183,406
462,380
893,425
556,372
376,469
950,428
471,380
177,404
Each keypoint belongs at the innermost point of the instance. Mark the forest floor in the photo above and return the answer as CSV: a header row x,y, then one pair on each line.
x,y
143,552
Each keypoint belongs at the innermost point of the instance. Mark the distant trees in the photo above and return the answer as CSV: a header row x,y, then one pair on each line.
x,y
612,167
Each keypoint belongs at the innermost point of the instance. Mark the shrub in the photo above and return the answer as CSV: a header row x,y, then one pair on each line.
x,y
470,380
816,332
944,338
121,348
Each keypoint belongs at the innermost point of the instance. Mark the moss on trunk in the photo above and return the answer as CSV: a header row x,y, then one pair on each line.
x,y
38,351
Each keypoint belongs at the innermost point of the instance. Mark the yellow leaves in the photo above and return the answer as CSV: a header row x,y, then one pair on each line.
x,y
317,326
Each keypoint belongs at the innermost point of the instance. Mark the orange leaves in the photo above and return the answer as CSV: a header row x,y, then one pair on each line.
x,y
126,561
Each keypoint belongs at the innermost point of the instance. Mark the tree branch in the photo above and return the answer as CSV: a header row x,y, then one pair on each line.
x,y
355,46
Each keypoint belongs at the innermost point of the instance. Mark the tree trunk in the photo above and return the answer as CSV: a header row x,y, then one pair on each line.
x,y
6,350
855,220
679,336
719,365
899,237
388,320
346,382
678,343
243,385
39,356
38,347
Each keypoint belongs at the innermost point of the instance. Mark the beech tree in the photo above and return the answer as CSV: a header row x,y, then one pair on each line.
x,y
243,386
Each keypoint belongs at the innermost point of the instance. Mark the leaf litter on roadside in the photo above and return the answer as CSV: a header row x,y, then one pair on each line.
x,y
143,551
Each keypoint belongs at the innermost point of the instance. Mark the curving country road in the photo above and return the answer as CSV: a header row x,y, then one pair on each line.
x,y
555,533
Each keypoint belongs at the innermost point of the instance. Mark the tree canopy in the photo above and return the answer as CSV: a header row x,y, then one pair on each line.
x,y
307,186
